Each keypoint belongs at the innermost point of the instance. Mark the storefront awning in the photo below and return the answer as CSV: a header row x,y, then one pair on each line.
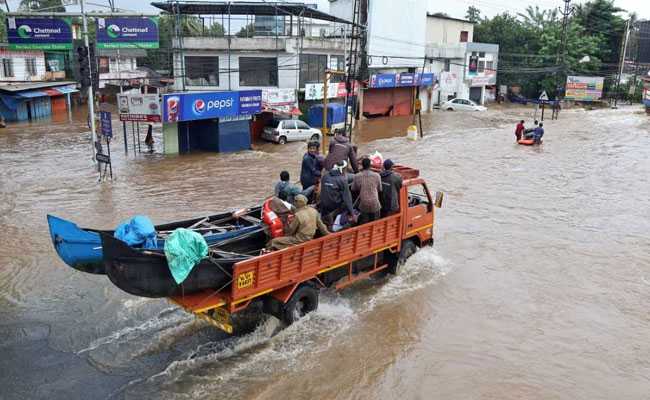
x,y
30,94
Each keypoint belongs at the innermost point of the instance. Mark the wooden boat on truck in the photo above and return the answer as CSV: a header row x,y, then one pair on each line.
x,y
287,282
81,248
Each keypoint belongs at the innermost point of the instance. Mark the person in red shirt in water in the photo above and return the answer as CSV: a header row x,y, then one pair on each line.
x,y
519,130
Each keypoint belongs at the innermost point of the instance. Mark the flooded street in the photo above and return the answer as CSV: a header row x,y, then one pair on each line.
x,y
538,285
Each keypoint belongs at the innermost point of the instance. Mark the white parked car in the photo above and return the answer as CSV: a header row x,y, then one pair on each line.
x,y
462,105
290,130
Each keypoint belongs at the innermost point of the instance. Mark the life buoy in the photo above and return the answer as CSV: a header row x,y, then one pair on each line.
x,y
272,220
527,142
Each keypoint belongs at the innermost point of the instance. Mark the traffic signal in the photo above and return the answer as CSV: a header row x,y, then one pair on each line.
x,y
84,66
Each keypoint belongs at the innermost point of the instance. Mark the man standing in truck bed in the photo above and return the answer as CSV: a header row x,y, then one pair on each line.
x,y
341,150
368,184
303,227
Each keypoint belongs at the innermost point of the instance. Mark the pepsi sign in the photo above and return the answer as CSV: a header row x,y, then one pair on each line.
x,y
206,105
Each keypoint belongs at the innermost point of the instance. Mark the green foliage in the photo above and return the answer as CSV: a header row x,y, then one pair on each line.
x,y
3,28
530,44
246,31
41,5
473,14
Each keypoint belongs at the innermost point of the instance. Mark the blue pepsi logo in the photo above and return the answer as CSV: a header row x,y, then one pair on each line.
x,y
198,107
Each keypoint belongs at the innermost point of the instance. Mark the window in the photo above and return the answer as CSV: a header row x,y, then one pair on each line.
x,y
481,54
289,124
447,65
104,65
489,66
258,71
7,67
337,63
464,36
30,66
312,68
418,195
301,125
201,71
481,66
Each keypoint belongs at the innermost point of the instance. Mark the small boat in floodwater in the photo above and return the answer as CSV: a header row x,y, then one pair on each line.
x,y
81,248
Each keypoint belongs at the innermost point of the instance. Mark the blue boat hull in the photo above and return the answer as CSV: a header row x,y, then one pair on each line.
x,y
81,248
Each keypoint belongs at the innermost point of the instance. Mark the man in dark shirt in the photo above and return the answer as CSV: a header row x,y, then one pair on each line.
x,y
312,165
391,183
335,193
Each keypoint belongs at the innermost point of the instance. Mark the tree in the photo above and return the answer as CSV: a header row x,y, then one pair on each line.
x,y
599,18
246,31
535,18
41,5
473,14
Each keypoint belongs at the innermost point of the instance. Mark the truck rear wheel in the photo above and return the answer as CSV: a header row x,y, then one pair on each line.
x,y
303,301
396,262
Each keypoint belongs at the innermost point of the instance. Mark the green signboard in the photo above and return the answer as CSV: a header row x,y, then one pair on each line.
x,y
39,33
127,33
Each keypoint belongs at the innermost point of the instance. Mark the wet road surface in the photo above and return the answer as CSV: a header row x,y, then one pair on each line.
x,y
538,286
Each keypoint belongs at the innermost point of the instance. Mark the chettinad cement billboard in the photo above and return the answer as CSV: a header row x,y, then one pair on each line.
x,y
584,88
133,33
39,33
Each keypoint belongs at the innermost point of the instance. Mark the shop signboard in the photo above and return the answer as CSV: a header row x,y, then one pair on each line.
x,y
584,88
39,33
380,81
283,100
139,107
106,124
121,33
487,79
206,105
406,79
314,91
448,81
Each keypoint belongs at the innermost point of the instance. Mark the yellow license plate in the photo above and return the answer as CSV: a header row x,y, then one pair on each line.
x,y
221,318
245,280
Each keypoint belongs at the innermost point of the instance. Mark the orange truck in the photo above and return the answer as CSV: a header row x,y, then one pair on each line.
x,y
288,282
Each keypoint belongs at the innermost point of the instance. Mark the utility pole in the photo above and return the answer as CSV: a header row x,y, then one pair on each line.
x,y
626,36
91,98
561,57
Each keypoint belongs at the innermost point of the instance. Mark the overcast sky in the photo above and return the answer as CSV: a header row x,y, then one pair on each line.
x,y
455,8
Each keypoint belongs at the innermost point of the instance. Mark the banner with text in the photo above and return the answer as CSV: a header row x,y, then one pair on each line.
x,y
314,91
405,79
130,33
39,33
139,107
283,100
206,105
584,88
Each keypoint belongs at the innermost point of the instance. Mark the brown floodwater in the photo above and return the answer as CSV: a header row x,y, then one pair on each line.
x,y
538,286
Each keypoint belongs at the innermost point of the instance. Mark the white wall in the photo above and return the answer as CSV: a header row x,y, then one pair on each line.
x,y
20,65
395,28
288,69
446,31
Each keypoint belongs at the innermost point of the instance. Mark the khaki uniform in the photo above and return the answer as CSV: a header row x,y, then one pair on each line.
x,y
303,227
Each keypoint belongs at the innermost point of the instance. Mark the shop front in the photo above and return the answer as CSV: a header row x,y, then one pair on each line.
x,y
209,121
393,94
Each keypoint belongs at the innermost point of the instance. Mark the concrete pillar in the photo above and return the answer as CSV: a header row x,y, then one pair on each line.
x,y
170,138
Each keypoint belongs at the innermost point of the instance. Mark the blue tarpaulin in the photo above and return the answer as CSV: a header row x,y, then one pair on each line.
x,y
138,231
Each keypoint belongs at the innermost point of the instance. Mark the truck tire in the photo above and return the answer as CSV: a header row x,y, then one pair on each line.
x,y
396,262
303,301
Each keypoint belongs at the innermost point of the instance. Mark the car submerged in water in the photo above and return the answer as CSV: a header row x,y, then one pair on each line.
x,y
290,130
462,105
